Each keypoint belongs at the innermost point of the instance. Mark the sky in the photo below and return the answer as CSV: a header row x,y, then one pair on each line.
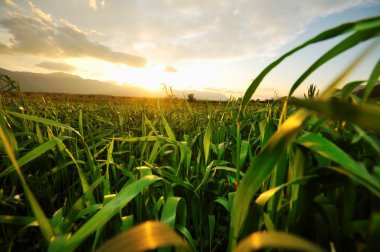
x,y
209,45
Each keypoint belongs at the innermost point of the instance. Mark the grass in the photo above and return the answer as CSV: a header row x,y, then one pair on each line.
x,y
100,173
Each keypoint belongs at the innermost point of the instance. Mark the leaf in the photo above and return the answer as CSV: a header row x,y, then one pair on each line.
x,y
109,210
168,129
364,115
149,235
174,206
44,224
31,155
374,77
207,140
259,170
43,121
349,166
348,89
331,33
265,196
274,239
344,45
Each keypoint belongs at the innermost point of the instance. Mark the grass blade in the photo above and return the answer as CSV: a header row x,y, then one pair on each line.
x,y
147,236
43,221
273,239
109,210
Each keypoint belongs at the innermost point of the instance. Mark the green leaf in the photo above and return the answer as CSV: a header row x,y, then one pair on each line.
x,y
31,155
149,235
265,196
174,206
44,224
109,210
259,170
341,47
207,140
349,166
43,121
372,81
274,239
364,115
331,33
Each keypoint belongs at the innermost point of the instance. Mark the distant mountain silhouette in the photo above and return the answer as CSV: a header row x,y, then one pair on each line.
x,y
73,84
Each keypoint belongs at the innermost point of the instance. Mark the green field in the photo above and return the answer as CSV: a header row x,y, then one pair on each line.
x,y
104,173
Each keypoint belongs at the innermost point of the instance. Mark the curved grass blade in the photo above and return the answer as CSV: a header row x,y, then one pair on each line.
x,y
331,33
374,77
17,220
341,47
109,210
259,170
168,130
174,206
274,239
31,155
44,224
149,235
207,140
353,169
265,196
347,90
364,115
43,121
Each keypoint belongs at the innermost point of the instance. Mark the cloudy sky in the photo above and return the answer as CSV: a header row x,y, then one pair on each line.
x,y
187,44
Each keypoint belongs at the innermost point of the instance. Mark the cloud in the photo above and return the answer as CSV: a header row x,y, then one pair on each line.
x,y
10,2
213,29
38,34
40,14
57,66
94,5
170,69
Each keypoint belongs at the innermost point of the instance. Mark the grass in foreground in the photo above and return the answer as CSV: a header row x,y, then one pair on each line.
x,y
293,174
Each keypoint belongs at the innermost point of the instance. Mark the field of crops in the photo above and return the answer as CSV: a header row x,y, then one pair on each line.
x,y
107,174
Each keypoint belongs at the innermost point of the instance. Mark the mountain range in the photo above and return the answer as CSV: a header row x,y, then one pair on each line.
x,y
59,82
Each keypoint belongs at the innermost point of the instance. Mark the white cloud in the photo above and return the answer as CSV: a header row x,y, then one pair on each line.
x,y
10,2
38,34
39,13
212,29
92,4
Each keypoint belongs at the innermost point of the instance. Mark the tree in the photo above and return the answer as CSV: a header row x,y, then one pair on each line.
x,y
191,98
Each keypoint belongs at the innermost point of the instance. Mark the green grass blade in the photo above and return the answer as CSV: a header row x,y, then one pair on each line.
x,y
348,89
365,115
331,33
149,235
174,206
43,221
372,81
17,220
30,156
207,140
168,130
263,198
109,210
273,239
353,169
341,47
259,170
43,121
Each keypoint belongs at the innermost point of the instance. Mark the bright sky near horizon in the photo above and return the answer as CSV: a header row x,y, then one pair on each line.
x,y
209,45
